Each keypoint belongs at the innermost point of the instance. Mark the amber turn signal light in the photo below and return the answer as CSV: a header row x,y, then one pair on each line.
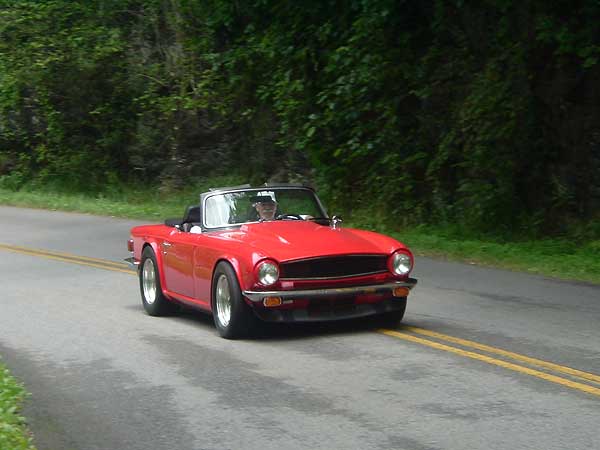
x,y
130,245
270,302
401,292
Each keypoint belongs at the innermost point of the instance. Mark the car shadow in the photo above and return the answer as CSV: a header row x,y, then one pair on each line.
x,y
265,331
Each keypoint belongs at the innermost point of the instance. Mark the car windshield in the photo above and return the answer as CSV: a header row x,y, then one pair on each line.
x,y
239,207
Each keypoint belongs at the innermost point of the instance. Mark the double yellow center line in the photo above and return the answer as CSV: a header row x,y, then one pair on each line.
x,y
587,382
555,373
69,258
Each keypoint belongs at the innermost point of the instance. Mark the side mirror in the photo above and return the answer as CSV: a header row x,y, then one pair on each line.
x,y
336,222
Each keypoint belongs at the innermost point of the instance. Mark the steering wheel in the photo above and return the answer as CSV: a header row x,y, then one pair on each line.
x,y
289,217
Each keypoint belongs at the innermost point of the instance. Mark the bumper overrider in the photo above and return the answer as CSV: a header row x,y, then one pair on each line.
x,y
331,303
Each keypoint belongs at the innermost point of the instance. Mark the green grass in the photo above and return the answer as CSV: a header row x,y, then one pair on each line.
x,y
147,204
561,258
558,258
132,205
13,433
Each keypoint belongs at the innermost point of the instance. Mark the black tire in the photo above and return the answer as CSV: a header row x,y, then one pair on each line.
x,y
233,317
392,319
153,299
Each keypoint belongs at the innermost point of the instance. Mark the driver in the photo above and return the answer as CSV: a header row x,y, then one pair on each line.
x,y
266,207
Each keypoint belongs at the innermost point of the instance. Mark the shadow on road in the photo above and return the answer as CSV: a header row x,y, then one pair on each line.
x,y
280,331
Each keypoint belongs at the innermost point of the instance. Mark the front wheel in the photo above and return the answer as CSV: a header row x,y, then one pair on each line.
x,y
233,317
153,299
393,318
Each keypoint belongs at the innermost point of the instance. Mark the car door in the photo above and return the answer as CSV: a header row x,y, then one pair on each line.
x,y
177,252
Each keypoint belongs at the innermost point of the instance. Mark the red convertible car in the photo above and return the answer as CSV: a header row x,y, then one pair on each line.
x,y
269,253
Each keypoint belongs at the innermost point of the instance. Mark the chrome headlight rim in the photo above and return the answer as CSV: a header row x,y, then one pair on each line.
x,y
267,272
401,263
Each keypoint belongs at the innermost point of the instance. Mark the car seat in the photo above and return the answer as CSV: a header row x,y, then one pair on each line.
x,y
192,217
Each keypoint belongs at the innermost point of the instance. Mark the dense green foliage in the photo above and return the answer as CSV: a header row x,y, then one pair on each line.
x,y
13,434
485,114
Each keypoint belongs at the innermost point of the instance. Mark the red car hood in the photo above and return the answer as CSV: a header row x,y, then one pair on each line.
x,y
287,240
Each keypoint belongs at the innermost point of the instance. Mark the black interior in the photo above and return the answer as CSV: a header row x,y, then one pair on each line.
x,y
192,217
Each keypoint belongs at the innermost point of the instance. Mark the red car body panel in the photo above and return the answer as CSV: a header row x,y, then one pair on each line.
x,y
186,260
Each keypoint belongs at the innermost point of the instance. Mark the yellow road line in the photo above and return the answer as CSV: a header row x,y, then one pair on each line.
x,y
77,260
497,362
64,255
511,355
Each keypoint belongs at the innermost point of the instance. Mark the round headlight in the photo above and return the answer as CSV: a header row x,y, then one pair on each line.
x,y
268,273
401,263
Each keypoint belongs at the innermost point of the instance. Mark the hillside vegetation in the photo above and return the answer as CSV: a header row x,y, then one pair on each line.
x,y
483,115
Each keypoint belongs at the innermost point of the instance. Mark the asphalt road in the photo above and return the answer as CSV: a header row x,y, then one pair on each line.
x,y
458,374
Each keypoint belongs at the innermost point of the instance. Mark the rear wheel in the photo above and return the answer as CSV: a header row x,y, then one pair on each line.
x,y
153,299
233,317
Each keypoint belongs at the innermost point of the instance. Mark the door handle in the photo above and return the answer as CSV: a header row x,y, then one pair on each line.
x,y
165,246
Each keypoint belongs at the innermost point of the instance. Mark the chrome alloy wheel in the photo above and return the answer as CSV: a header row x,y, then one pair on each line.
x,y
223,300
149,281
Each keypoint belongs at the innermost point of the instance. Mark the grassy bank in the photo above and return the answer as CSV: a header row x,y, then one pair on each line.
x,y
13,433
127,202
131,204
560,258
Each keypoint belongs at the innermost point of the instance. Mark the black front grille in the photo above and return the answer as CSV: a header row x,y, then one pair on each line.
x,y
334,267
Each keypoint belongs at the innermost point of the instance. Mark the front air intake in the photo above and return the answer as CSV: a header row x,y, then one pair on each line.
x,y
334,267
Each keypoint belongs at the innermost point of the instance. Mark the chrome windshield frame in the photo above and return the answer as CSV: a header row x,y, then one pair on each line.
x,y
207,195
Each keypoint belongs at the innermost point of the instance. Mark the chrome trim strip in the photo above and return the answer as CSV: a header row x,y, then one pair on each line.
x,y
258,296
340,255
132,261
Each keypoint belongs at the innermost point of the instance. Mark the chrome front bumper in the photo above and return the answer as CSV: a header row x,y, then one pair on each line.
x,y
258,296
132,262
